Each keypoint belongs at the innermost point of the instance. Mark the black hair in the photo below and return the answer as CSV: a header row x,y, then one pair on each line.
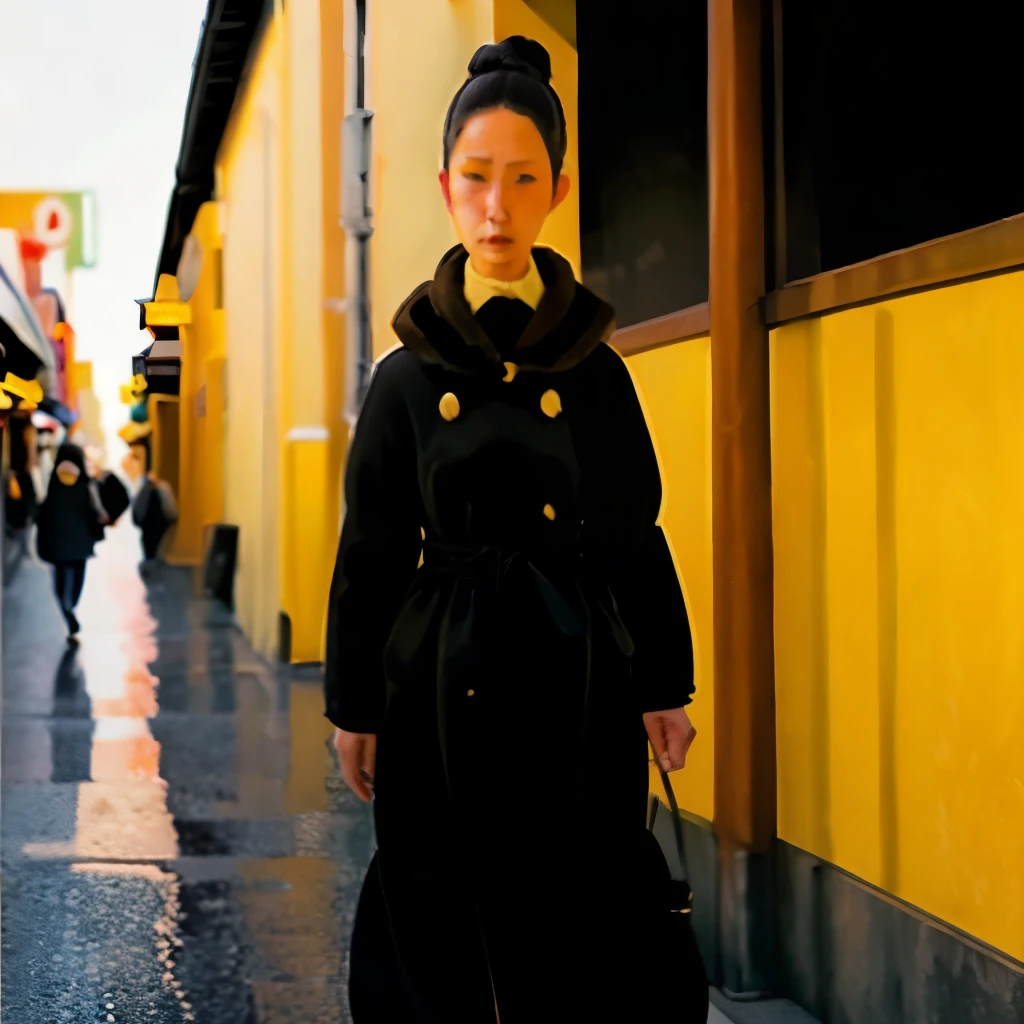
x,y
514,74
69,452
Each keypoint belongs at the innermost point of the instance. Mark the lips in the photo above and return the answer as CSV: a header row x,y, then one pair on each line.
x,y
497,240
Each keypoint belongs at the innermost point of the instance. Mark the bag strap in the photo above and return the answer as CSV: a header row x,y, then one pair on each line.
x,y
677,821
681,893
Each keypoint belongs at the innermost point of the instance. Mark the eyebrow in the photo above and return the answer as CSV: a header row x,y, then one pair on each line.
x,y
488,160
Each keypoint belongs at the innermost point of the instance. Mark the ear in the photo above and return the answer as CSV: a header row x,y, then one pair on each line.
x,y
561,191
446,187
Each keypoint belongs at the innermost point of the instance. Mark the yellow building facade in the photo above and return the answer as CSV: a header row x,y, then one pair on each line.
x,y
890,427
262,434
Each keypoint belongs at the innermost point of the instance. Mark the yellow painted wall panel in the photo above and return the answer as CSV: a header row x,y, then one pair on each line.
x,y
852,590
674,384
300,381
801,625
249,170
898,500
306,465
333,74
202,436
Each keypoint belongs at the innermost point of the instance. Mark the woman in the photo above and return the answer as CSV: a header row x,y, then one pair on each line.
x,y
71,521
493,702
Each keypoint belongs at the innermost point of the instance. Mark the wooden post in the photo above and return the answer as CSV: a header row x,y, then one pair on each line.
x,y
741,496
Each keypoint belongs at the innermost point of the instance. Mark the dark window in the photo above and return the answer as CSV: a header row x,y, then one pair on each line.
x,y
902,123
643,154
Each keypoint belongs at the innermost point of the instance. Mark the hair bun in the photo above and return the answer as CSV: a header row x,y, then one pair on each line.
x,y
517,53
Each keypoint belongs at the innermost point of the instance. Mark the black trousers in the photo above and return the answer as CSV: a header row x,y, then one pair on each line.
x,y
68,580
152,535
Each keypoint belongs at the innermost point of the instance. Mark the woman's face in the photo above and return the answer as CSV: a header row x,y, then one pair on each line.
x,y
499,191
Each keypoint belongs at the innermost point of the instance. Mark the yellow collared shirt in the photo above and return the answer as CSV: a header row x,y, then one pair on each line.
x,y
528,288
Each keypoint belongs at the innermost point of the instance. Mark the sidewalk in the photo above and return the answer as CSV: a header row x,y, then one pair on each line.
x,y
177,845
174,845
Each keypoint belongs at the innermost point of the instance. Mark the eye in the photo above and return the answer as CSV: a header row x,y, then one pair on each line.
x,y
472,176
526,179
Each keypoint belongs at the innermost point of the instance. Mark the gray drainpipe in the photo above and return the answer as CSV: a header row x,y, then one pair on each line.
x,y
357,217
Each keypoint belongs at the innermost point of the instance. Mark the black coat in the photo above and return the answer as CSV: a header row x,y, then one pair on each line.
x,y
511,450
68,524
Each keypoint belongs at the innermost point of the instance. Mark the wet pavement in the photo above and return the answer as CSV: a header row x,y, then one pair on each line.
x,y
176,842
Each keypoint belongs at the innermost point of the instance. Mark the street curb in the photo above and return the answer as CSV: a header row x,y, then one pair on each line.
x,y
761,1011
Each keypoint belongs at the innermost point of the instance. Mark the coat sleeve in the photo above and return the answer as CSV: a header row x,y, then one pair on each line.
x,y
378,553
624,500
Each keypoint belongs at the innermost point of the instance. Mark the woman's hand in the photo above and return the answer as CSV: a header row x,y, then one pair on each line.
x,y
671,734
357,756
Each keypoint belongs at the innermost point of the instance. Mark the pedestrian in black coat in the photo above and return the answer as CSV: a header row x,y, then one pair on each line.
x,y
71,521
493,701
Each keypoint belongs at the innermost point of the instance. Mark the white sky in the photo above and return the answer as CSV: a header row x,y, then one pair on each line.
x,y
92,96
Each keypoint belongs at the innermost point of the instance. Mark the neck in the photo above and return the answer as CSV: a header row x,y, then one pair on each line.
x,y
502,271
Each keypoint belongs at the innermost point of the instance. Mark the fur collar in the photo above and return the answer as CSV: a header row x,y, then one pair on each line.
x,y
436,323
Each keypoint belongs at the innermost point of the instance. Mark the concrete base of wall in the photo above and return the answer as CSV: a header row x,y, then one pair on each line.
x,y
852,954
848,953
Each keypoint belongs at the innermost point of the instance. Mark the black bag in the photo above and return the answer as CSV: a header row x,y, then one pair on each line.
x,y
678,966
140,506
113,496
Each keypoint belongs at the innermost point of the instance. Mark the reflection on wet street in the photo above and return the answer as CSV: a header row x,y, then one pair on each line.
x,y
176,843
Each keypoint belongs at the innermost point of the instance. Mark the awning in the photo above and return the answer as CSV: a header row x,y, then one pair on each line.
x,y
21,333
229,32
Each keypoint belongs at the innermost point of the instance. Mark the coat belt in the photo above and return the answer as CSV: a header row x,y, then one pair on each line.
x,y
487,565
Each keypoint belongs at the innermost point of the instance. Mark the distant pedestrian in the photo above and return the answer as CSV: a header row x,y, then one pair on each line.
x,y
154,512
71,521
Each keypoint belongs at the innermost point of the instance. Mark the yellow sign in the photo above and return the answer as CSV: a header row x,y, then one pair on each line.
x,y
81,376
132,432
29,390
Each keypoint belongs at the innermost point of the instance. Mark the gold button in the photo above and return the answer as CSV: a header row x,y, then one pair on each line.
x,y
551,403
423,534
510,371
449,406
470,693
549,511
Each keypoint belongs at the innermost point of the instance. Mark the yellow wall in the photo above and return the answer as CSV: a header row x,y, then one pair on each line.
x,y
200,497
675,387
277,382
417,55
334,67
898,500
249,166
306,526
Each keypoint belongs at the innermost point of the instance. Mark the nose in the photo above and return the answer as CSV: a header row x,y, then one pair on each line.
x,y
496,212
